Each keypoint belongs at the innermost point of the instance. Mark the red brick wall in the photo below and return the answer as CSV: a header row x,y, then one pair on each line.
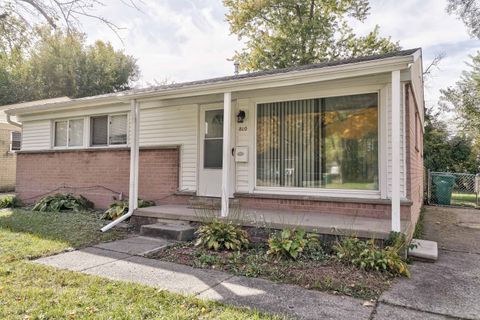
x,y
414,154
92,173
352,208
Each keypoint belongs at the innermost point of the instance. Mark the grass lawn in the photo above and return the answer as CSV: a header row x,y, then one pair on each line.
x,y
464,199
30,291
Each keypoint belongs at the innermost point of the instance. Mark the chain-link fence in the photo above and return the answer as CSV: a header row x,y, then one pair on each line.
x,y
453,189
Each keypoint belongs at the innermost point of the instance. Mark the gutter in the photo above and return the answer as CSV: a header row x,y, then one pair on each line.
x,y
13,123
134,156
242,84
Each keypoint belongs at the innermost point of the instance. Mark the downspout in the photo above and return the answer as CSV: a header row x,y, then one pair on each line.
x,y
134,156
13,123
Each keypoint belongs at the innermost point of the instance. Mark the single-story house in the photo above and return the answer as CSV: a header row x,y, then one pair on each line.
x,y
330,145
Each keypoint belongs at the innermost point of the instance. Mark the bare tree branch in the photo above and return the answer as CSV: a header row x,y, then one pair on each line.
x,y
62,13
427,73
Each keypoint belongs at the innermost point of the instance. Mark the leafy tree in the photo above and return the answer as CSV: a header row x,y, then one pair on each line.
x,y
435,145
57,64
446,153
469,12
284,33
464,99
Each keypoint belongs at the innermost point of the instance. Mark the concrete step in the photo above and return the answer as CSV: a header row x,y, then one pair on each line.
x,y
423,250
177,232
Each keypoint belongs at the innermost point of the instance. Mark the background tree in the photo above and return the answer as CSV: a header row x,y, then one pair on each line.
x,y
469,12
57,64
284,33
59,14
444,152
463,99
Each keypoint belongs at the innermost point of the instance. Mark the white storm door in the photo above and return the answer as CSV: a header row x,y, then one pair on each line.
x,y
211,151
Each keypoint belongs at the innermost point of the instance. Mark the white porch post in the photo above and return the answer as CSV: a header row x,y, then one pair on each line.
x,y
227,123
134,155
396,101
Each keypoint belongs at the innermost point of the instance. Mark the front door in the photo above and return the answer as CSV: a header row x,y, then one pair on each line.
x,y
211,151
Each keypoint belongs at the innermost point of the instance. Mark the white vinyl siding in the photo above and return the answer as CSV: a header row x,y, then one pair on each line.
x,y
402,142
243,138
36,135
175,125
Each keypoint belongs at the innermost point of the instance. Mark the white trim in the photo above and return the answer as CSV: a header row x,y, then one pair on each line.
x,y
264,81
396,104
382,141
382,170
67,146
343,193
226,170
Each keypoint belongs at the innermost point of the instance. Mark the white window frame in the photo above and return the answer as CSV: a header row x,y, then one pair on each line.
x,y
68,133
109,116
382,161
11,141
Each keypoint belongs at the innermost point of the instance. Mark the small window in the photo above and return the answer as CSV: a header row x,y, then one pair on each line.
x,y
99,131
68,133
118,129
15,141
108,130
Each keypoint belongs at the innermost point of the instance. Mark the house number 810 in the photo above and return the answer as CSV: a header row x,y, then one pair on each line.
x,y
242,129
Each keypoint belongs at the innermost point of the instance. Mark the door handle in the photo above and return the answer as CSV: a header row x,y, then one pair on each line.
x,y
233,151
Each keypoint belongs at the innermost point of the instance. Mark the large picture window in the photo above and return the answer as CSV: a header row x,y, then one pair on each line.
x,y
329,143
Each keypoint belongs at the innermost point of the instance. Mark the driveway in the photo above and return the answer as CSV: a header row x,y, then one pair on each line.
x,y
449,288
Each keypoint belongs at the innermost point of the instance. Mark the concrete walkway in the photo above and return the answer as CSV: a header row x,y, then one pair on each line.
x,y
124,260
447,289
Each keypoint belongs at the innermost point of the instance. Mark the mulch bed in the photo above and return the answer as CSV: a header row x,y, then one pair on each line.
x,y
319,272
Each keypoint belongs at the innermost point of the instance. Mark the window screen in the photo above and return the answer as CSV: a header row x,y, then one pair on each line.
x,y
118,129
99,131
16,142
75,133
60,139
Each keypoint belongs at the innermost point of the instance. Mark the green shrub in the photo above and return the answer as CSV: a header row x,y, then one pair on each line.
x,y
219,234
367,256
10,202
118,209
290,243
59,202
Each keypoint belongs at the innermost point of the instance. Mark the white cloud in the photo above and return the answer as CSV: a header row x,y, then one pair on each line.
x,y
186,40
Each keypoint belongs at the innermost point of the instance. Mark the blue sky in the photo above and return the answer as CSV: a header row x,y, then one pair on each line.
x,y
182,40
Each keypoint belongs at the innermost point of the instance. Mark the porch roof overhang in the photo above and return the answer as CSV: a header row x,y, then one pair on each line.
x,y
250,81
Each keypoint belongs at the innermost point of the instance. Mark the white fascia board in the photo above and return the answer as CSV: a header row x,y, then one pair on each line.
x,y
234,85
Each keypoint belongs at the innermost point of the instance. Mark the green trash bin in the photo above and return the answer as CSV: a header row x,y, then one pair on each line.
x,y
443,188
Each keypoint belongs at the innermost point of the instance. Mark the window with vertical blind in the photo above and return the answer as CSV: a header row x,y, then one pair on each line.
x,y
108,130
329,143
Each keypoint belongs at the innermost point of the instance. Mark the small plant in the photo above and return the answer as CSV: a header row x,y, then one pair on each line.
x,y
59,202
367,256
10,202
290,243
118,209
206,260
219,234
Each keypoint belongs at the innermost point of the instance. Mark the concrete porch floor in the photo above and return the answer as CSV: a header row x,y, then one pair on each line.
x,y
329,224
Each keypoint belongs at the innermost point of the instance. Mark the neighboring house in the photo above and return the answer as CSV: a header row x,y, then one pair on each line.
x,y
336,139
10,140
